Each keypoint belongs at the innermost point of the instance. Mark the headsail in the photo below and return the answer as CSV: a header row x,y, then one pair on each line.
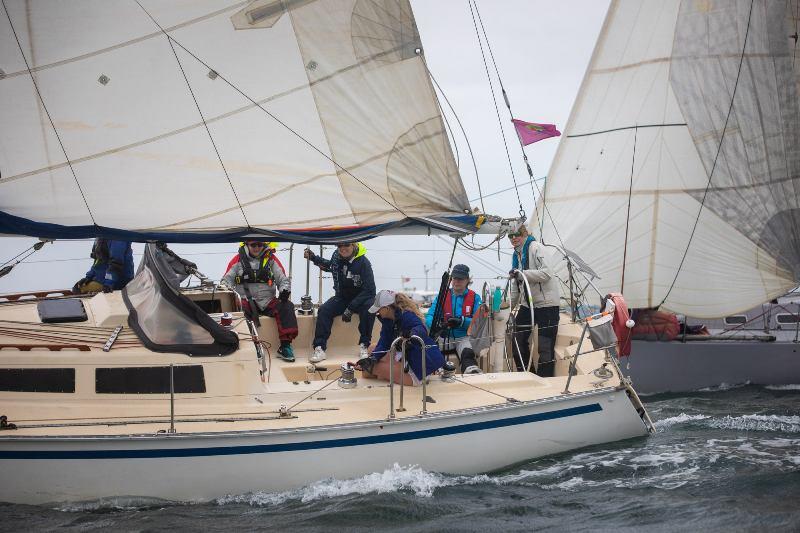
x,y
686,104
284,116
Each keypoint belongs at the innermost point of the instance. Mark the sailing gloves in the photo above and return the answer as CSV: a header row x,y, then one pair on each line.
x,y
514,274
366,364
108,288
77,287
347,316
284,296
455,322
308,254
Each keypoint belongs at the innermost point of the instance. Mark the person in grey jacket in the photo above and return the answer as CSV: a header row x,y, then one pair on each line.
x,y
258,278
530,262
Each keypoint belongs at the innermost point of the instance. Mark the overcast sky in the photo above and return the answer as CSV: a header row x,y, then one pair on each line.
x,y
542,49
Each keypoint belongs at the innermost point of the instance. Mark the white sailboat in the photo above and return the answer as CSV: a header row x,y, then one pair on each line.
x,y
310,121
678,175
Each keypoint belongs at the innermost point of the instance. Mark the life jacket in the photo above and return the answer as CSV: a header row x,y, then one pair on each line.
x,y
262,275
467,308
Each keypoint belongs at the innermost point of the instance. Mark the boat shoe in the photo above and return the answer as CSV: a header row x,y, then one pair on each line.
x,y
286,353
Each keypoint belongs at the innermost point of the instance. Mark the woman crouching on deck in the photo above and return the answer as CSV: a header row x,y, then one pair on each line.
x,y
400,316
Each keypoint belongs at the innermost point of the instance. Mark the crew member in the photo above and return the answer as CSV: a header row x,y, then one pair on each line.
x,y
529,261
112,268
258,279
354,291
460,303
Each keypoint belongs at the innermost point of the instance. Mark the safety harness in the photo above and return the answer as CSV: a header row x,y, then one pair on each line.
x,y
262,275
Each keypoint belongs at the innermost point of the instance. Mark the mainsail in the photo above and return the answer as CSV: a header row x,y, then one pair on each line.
x,y
678,177
209,120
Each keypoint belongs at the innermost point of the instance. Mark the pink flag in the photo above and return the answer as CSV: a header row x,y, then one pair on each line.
x,y
530,132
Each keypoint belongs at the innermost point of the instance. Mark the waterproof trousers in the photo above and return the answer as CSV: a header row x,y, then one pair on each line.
x,y
547,320
284,315
334,307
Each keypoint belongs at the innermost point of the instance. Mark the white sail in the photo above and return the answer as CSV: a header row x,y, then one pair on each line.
x,y
651,125
266,115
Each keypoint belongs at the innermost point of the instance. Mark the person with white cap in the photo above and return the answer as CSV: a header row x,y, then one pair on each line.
x,y
400,316
460,303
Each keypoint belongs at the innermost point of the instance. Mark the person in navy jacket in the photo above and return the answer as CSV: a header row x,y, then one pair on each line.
x,y
354,290
112,268
459,306
400,316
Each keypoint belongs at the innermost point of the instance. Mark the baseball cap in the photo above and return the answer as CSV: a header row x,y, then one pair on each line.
x,y
382,299
460,272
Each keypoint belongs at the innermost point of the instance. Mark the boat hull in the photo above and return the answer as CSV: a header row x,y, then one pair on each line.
x,y
674,366
200,467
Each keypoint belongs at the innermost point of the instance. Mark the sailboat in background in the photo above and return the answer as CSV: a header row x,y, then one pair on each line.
x,y
310,121
678,180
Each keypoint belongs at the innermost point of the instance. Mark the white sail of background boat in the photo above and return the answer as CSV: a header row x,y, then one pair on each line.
x,y
689,114
297,120
678,180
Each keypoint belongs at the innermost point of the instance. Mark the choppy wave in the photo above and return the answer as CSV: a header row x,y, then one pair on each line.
x,y
791,386
121,503
412,479
682,418
786,424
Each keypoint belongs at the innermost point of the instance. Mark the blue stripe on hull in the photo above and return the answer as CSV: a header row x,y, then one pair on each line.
x,y
296,446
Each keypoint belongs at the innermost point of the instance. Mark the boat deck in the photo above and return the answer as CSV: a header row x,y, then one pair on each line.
x,y
234,398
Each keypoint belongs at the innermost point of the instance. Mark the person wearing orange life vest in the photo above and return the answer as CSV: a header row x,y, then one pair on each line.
x,y
258,276
459,306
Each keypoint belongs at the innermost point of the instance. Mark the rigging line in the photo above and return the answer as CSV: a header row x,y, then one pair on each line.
x,y
272,116
463,132
522,147
628,215
621,128
49,117
505,98
447,122
716,157
508,189
496,108
19,254
208,130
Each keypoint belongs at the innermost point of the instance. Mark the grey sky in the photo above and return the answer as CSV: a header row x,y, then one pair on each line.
x,y
542,49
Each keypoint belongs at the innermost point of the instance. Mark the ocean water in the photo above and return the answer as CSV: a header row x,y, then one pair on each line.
x,y
726,459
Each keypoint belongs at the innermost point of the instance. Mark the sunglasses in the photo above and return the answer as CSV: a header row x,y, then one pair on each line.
x,y
512,235
255,244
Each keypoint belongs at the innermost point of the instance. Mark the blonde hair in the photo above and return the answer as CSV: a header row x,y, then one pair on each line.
x,y
404,303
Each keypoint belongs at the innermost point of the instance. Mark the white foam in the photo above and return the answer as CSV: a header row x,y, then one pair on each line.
x,y
724,387
398,478
118,503
661,425
787,424
792,386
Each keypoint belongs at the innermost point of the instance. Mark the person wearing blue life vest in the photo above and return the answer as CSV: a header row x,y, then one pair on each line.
x,y
400,316
460,304
530,261
112,268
